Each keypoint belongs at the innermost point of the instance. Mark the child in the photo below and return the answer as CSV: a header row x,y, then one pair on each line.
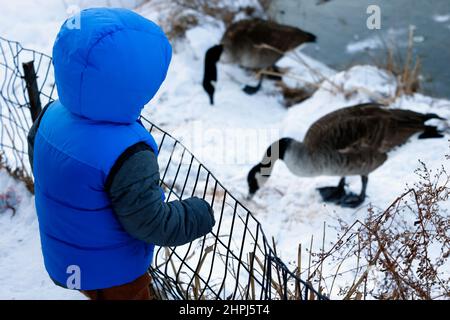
x,y
98,200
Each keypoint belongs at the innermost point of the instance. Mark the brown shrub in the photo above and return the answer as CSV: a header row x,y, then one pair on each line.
x,y
400,253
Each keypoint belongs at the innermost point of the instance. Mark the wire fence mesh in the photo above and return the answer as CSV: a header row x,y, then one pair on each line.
x,y
15,116
235,261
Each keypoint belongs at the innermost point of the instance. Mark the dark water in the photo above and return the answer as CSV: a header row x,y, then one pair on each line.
x,y
339,23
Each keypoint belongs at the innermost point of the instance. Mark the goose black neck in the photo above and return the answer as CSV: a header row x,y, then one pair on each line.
x,y
281,146
277,151
212,56
210,73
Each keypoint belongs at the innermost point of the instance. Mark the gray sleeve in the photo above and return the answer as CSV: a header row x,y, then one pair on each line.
x,y
137,201
32,135
30,138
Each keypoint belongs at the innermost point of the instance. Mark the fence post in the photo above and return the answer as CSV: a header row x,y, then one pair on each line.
x,y
30,78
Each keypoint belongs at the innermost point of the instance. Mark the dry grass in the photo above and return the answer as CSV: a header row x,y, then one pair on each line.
x,y
293,96
405,67
215,9
180,23
265,4
182,15
399,253
18,174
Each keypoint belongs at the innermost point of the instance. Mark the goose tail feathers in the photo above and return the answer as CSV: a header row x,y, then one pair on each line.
x,y
430,116
310,37
431,132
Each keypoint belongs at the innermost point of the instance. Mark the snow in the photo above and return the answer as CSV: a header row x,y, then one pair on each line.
x,y
229,138
441,18
35,23
391,37
22,272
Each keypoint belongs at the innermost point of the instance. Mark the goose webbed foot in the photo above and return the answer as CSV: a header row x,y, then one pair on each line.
x,y
333,194
250,90
351,200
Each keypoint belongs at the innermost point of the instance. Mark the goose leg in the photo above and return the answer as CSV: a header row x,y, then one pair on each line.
x,y
333,194
352,200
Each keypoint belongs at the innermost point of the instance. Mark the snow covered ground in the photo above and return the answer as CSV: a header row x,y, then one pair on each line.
x,y
22,272
229,138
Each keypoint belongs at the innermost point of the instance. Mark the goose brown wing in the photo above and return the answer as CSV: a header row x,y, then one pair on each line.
x,y
402,125
347,134
259,32
365,128
388,128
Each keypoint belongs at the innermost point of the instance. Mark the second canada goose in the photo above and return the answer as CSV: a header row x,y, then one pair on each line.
x,y
350,141
244,43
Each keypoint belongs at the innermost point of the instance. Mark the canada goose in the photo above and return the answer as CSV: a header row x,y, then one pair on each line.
x,y
243,44
350,141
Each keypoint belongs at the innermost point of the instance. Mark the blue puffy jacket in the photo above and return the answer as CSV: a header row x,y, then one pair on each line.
x,y
106,72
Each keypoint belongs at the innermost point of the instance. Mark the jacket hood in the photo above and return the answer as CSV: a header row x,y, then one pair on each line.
x,y
110,65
